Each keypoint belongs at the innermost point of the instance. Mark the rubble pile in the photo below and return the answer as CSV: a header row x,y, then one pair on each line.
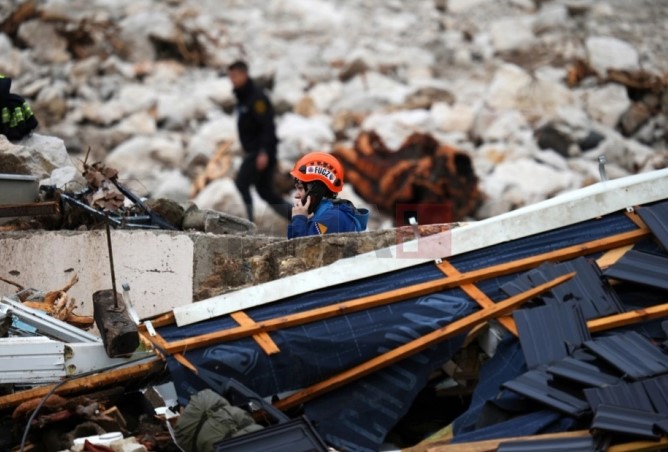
x,y
533,92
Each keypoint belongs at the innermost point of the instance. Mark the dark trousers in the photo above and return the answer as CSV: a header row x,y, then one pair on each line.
x,y
263,181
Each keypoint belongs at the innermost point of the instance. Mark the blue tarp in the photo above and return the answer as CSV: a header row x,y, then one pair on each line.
x,y
359,415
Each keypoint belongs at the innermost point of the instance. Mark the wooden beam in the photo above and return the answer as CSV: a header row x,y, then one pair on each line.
x,y
262,339
185,363
417,345
612,256
640,446
633,216
85,384
477,295
628,318
161,320
404,293
491,445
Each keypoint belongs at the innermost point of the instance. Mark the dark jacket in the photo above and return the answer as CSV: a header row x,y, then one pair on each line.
x,y
329,217
255,120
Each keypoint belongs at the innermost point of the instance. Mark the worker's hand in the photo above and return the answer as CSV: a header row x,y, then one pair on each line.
x,y
299,209
261,161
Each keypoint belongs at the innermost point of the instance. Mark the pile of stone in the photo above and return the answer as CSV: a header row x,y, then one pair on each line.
x,y
534,91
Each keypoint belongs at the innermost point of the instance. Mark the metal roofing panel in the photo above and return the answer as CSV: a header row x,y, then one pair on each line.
x,y
657,390
656,219
538,385
631,353
627,421
642,268
582,444
626,395
662,426
587,288
550,333
585,373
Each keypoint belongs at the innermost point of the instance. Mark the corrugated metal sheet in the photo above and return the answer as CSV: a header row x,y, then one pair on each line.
x,y
631,353
627,421
627,395
587,373
657,389
642,268
587,288
656,219
550,333
539,386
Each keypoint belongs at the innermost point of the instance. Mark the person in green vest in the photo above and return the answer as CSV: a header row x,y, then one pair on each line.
x,y
17,119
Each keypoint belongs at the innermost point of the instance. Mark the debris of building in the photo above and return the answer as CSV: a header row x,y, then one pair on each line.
x,y
547,320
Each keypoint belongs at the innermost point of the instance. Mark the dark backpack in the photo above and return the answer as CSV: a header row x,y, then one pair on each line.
x,y
16,117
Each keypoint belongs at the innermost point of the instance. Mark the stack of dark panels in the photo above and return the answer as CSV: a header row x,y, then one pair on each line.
x,y
585,369
642,268
639,408
656,219
539,385
587,287
550,333
631,353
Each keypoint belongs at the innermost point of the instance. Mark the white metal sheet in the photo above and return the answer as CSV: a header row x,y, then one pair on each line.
x,y
569,208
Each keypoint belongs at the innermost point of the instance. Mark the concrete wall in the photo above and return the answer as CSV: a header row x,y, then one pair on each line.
x,y
167,269
157,265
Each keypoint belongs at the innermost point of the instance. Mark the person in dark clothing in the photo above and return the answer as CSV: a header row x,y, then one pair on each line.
x,y
257,133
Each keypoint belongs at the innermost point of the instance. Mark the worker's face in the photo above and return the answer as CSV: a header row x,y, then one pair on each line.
x,y
300,190
238,78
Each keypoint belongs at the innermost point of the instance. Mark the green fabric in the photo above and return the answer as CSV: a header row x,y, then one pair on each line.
x,y
209,419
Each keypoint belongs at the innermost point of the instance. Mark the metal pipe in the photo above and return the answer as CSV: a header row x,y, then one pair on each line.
x,y
111,264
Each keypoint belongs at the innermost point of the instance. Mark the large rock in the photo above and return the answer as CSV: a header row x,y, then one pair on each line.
x,y
607,104
611,53
36,154
299,135
47,44
11,62
145,160
512,34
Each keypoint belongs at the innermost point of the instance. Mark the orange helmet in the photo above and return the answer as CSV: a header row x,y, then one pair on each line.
x,y
320,166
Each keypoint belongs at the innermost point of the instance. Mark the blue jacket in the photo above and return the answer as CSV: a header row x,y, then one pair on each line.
x,y
329,217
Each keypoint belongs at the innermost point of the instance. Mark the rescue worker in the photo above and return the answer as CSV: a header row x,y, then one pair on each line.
x,y
257,133
317,210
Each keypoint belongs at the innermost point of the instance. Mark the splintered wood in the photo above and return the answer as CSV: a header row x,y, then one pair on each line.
x,y
57,303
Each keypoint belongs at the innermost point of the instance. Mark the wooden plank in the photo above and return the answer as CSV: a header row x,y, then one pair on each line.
x,y
612,256
161,320
417,345
262,339
566,209
633,216
477,295
85,384
185,363
628,318
491,445
640,446
404,293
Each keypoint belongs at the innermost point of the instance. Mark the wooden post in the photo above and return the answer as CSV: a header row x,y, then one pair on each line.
x,y
119,332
